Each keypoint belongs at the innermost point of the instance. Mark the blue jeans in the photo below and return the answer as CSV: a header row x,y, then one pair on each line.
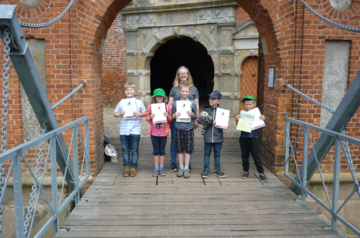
x,y
173,153
207,153
130,143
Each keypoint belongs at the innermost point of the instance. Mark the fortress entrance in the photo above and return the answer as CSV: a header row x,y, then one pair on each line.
x,y
182,52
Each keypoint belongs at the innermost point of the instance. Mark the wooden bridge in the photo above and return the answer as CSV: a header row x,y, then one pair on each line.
x,y
146,206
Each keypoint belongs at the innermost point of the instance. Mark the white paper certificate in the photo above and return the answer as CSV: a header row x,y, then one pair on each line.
x,y
158,109
222,118
129,106
258,123
183,107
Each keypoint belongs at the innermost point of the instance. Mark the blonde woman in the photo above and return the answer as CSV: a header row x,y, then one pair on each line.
x,y
182,75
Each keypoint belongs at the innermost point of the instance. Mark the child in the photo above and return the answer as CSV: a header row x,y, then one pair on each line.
x,y
130,131
159,132
213,136
249,143
184,135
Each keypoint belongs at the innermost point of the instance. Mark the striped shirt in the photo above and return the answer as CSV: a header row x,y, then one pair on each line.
x,y
131,126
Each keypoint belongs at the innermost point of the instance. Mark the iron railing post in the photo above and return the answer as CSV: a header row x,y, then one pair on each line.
x,y
305,160
287,142
336,183
76,163
87,147
54,187
19,216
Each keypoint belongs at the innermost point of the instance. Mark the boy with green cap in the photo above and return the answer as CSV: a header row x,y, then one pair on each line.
x,y
249,143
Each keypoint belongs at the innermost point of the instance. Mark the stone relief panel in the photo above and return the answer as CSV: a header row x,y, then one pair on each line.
x,y
141,20
218,15
186,17
176,18
226,61
167,2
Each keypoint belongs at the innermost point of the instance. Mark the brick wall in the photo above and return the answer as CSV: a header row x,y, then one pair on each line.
x,y
296,49
114,62
241,15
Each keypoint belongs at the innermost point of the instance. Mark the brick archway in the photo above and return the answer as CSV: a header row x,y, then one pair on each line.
x,y
96,19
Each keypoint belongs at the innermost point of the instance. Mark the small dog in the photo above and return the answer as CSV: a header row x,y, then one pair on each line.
x,y
206,117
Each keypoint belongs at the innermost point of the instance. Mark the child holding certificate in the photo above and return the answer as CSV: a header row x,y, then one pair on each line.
x,y
130,128
159,115
184,113
213,136
249,142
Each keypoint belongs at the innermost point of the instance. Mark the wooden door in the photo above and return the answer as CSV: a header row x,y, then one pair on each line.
x,y
249,77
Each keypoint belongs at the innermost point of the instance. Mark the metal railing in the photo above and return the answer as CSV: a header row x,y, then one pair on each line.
x,y
340,140
79,145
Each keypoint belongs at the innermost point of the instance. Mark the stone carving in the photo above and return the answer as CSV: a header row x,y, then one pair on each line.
x,y
196,35
187,31
137,18
166,32
201,15
225,61
176,30
212,28
241,55
144,34
342,5
29,3
219,15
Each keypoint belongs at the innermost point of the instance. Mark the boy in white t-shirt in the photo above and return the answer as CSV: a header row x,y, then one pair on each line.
x,y
130,131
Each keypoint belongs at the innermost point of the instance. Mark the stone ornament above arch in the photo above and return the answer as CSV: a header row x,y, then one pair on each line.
x,y
240,56
341,9
161,35
29,8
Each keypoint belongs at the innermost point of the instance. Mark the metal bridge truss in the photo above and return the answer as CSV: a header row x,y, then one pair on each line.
x,y
77,156
301,180
16,50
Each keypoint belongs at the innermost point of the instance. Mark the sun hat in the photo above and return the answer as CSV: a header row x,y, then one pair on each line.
x,y
159,92
215,94
248,97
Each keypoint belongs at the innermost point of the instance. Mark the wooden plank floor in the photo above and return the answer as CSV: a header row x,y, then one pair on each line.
x,y
147,206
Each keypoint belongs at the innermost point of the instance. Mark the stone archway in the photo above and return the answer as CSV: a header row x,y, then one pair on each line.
x,y
139,64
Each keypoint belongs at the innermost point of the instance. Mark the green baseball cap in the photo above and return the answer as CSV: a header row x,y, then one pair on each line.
x,y
248,97
159,92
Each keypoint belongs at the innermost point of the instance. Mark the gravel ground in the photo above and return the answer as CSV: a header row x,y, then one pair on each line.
x,y
112,126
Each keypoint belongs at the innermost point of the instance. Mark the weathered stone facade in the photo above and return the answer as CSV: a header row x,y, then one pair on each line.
x,y
209,22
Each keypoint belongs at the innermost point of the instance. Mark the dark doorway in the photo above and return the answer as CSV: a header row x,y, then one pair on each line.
x,y
182,52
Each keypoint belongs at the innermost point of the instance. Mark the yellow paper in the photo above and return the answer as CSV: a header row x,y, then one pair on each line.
x,y
245,122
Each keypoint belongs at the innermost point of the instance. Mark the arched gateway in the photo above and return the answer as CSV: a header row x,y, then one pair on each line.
x,y
214,29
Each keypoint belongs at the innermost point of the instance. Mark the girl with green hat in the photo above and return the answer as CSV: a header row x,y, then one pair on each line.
x,y
159,131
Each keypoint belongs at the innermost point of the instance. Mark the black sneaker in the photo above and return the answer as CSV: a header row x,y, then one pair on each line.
x,y
263,177
173,167
219,174
245,175
205,173
189,167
